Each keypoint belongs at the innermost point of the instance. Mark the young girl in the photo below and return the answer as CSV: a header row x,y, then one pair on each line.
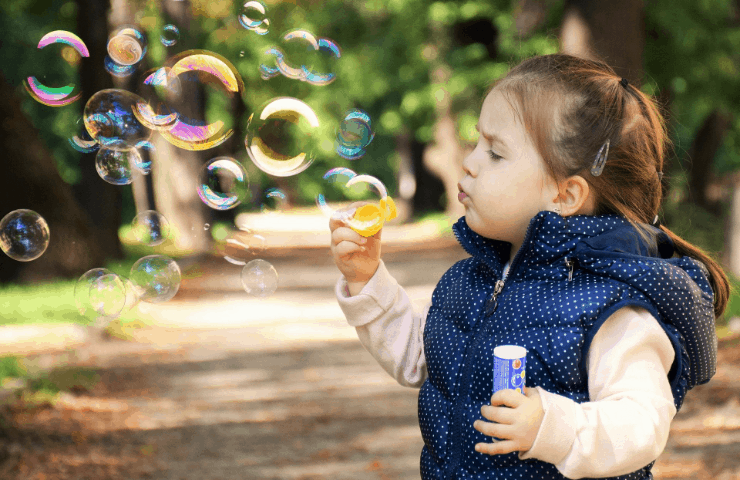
x,y
568,260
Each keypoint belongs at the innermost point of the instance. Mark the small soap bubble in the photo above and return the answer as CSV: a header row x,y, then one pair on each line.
x,y
282,136
57,96
24,235
354,134
83,143
118,70
259,278
207,226
127,45
82,290
156,278
170,35
115,166
223,183
109,119
143,161
322,61
108,295
150,228
253,17
274,201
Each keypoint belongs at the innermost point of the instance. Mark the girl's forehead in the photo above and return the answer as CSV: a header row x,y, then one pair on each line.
x,y
497,115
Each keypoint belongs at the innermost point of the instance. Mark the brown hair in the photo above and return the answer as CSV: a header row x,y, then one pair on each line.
x,y
569,107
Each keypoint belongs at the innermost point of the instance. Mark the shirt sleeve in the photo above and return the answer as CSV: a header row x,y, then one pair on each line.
x,y
388,326
625,424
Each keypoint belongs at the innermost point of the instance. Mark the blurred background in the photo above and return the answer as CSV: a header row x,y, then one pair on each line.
x,y
418,69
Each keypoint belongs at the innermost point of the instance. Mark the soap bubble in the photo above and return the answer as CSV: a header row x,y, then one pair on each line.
x,y
207,226
57,96
335,177
274,201
170,35
156,278
259,278
24,235
143,161
110,121
82,290
151,108
118,70
300,56
83,143
127,45
221,79
107,295
281,136
115,166
354,134
364,185
223,183
253,17
150,228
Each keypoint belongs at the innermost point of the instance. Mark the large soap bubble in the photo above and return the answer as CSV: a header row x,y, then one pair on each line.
x,y
219,78
57,96
281,136
109,119
335,178
223,183
156,278
24,235
259,278
101,295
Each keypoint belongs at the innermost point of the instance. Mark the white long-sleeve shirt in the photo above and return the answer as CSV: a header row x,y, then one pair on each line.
x,y
621,429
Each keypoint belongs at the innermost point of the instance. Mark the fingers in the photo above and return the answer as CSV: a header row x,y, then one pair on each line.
x,y
497,448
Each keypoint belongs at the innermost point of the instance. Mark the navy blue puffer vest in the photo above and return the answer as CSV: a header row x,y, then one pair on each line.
x,y
568,277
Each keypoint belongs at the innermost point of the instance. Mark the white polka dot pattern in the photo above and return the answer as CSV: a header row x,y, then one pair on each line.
x,y
568,278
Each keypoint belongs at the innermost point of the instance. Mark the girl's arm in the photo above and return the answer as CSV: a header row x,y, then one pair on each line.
x,y
625,425
387,326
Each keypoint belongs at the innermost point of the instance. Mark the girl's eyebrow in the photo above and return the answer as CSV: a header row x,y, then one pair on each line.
x,y
491,137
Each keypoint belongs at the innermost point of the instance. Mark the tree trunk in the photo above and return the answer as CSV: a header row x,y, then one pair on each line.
x,y
701,155
175,170
101,200
31,181
731,256
606,30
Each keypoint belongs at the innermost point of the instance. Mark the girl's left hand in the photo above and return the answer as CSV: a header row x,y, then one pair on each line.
x,y
516,426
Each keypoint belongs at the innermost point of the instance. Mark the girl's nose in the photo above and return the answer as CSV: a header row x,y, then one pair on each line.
x,y
468,164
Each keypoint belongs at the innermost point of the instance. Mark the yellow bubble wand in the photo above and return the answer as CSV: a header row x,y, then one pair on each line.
x,y
369,219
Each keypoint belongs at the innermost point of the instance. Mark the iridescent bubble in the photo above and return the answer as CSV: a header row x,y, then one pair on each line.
x,y
354,134
127,45
327,53
223,183
253,17
83,143
143,161
156,278
211,70
170,35
152,108
107,295
274,201
109,119
118,70
115,166
150,228
259,278
281,136
24,235
303,57
82,290
56,96
335,177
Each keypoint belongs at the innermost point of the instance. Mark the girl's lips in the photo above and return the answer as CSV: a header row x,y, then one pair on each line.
x,y
462,196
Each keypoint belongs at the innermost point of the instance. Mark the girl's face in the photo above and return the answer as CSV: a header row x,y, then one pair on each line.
x,y
506,182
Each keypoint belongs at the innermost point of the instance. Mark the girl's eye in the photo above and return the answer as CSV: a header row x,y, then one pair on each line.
x,y
493,155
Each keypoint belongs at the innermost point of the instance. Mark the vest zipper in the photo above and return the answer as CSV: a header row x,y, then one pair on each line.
x,y
569,263
492,302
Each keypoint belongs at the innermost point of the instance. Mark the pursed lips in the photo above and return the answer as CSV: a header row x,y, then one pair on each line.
x,y
462,195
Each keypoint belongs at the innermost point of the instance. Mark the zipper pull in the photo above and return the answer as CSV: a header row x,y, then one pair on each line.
x,y
493,301
569,263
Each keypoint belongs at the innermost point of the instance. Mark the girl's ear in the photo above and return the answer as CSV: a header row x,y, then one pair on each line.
x,y
574,197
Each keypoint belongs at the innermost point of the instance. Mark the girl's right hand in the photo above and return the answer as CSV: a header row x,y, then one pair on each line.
x,y
357,257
